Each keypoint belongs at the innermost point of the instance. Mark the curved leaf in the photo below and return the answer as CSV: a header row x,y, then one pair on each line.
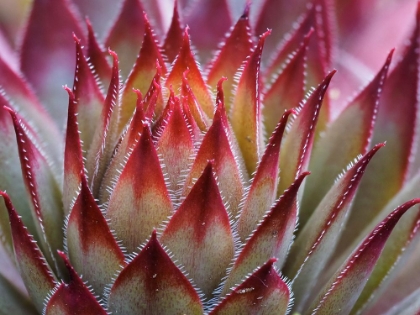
x,y
174,36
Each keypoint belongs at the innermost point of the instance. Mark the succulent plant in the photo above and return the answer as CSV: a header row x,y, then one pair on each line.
x,y
247,187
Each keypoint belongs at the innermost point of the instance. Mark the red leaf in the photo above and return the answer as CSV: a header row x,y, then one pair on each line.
x,y
263,292
263,190
143,72
199,234
152,284
47,52
185,61
237,46
246,111
217,147
73,297
97,57
91,246
175,155
124,37
105,137
287,88
345,286
173,39
297,146
207,31
36,274
139,201
73,158
88,96
271,238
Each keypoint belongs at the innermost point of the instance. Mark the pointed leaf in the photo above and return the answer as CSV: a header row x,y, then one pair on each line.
x,y
91,246
42,190
152,284
246,112
12,301
207,31
317,240
217,147
106,135
297,145
287,89
237,46
47,52
201,118
396,124
125,35
140,199
36,274
126,144
173,39
88,96
264,292
272,237
73,158
263,190
22,96
175,155
97,57
143,72
199,234
185,61
354,127
73,297
345,286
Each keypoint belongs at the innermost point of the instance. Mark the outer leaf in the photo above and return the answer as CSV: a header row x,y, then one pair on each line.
x,y
272,237
91,246
297,145
173,39
217,147
246,112
97,57
23,98
124,36
199,234
185,61
395,125
207,31
264,292
73,297
287,89
88,96
142,74
42,190
237,46
151,284
263,190
36,274
140,199
106,135
12,301
73,158
175,155
342,291
47,53
317,240
354,128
